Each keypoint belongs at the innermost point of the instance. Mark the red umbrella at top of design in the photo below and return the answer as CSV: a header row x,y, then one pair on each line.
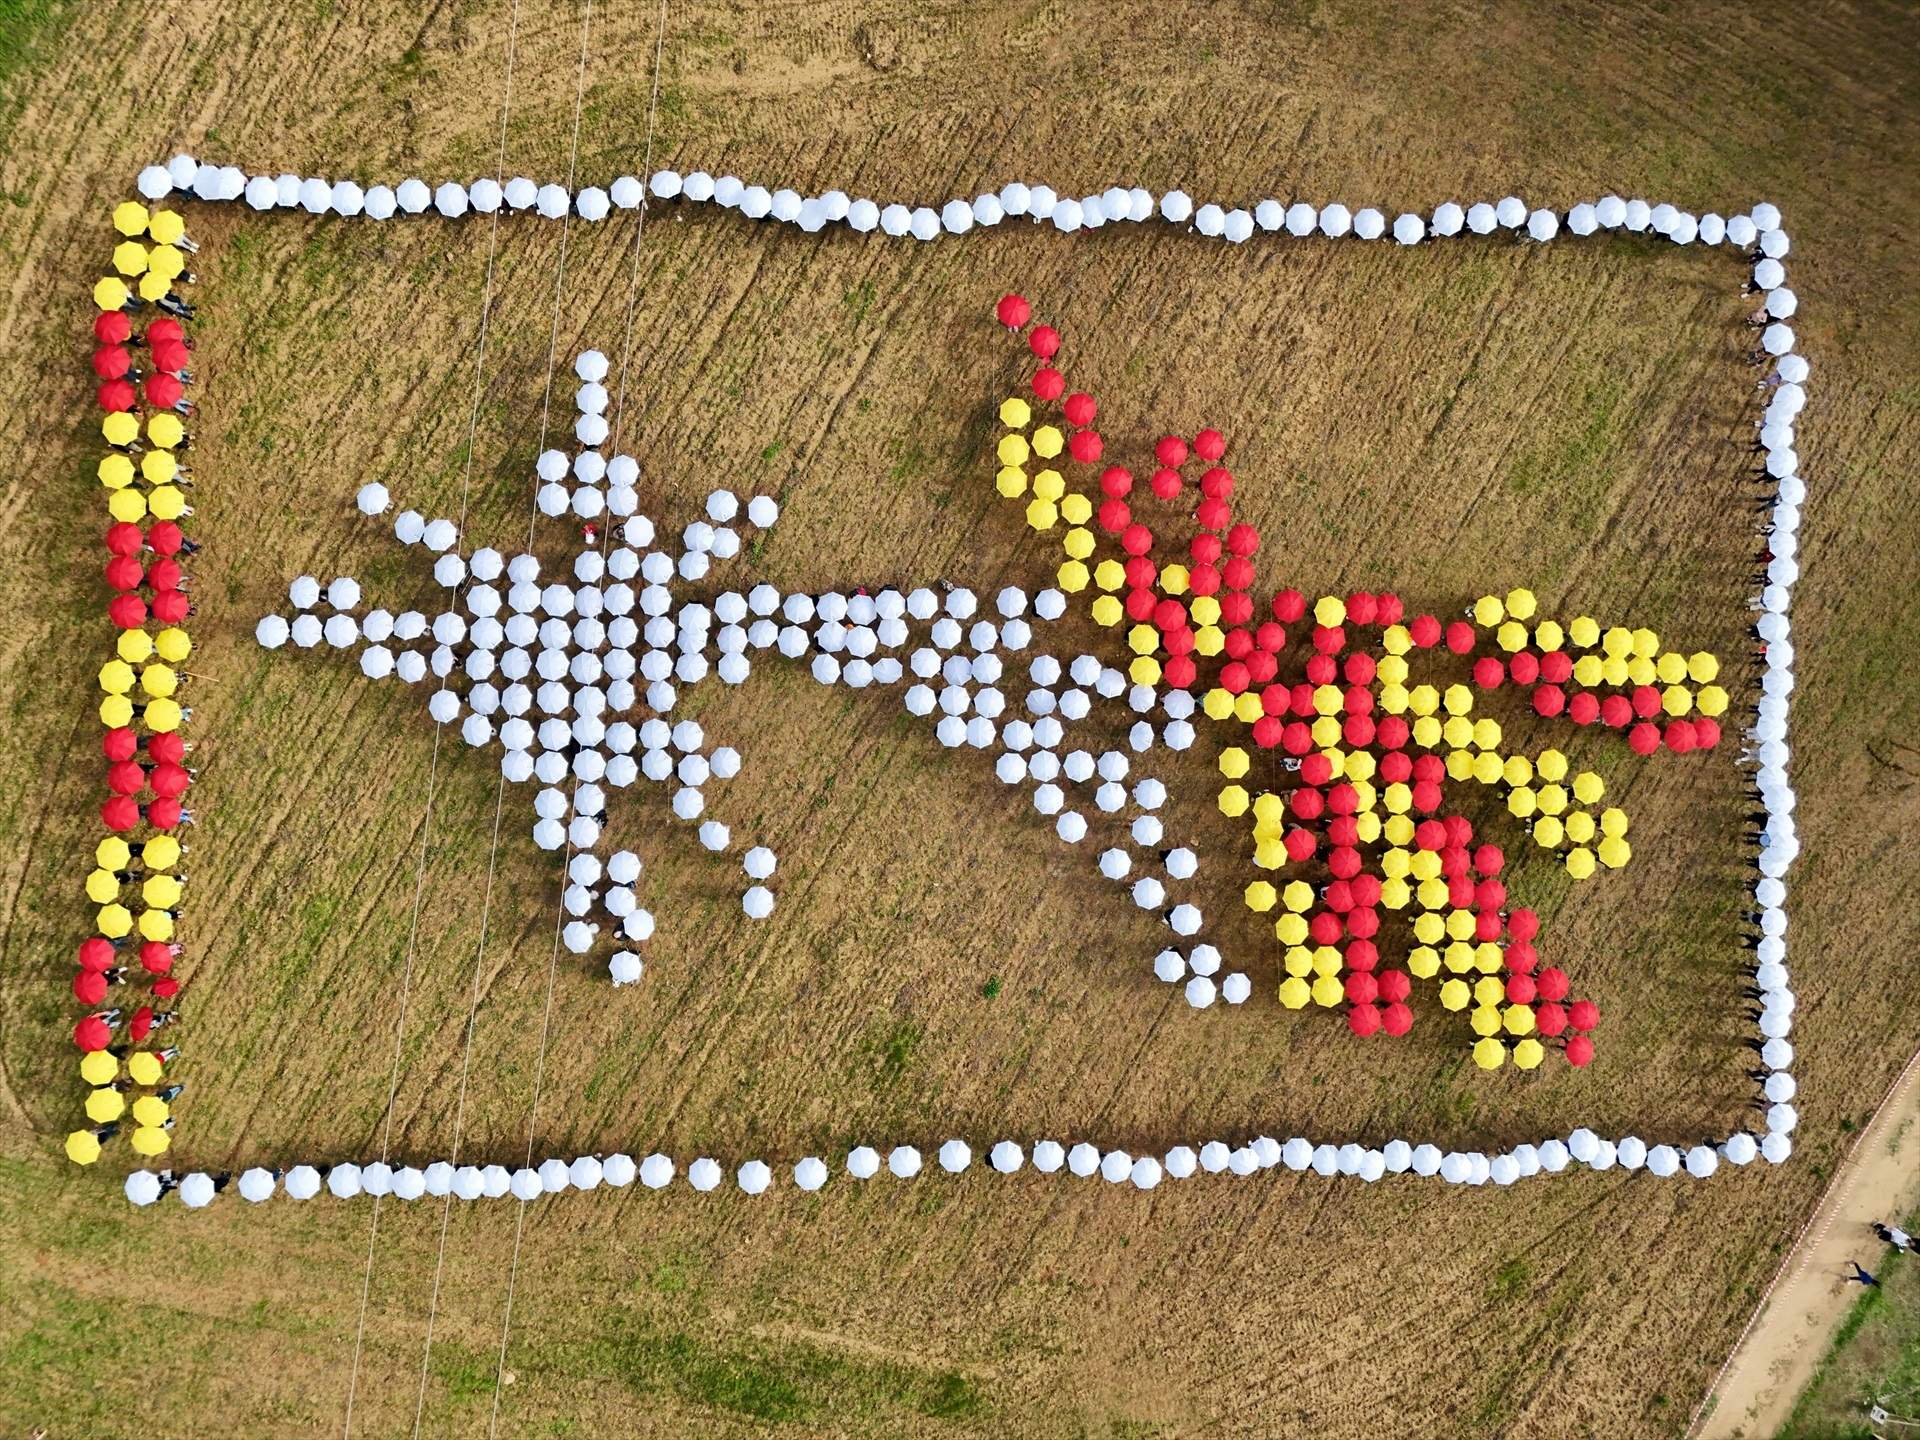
x,y
163,391
1044,341
1209,444
1013,311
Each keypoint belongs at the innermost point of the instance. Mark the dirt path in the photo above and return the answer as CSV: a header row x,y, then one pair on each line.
x,y
1788,1336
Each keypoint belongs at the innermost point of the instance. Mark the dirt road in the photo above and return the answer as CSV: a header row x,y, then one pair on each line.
x,y
1789,1334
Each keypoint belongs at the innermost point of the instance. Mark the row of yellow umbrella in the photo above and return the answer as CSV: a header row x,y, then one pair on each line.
x,y
122,428
112,293
158,852
116,469
116,921
118,677
131,505
162,716
161,891
83,1146
136,647
100,1067
132,219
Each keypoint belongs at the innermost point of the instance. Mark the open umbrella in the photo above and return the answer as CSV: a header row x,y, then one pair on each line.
x,y
150,1140
92,1033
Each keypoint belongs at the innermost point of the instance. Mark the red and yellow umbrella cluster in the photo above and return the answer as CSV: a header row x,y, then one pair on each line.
x,y
1357,747
125,969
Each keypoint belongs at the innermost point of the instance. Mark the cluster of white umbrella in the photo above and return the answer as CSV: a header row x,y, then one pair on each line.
x,y
1038,203
1083,1161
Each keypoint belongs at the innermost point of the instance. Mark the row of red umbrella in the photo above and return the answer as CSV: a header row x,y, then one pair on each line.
x,y
113,359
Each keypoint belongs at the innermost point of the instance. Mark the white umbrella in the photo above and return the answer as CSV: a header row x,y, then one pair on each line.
x,y
196,1191
1181,1162
903,1161
863,1162
554,1176
143,1187
408,1183
495,1181
257,1185
1398,1156
1048,1156
1083,1160
1740,1148
955,1156
467,1183
754,1177
1115,1166
1369,224
1425,1160
525,1185
1145,1172
1775,1147
271,632
343,1180
1702,1162
1781,1119
1236,989
1554,1156
1631,1152
1200,992
625,967
586,1172
1006,1157
1409,229
1326,1161
656,1171
1543,225
757,902
1582,1144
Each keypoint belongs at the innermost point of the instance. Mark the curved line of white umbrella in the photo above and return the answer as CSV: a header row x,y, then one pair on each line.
x,y
1767,738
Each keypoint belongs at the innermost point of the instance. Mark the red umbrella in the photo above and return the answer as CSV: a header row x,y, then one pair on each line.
x,y
1523,924
1362,988
1394,985
1289,606
165,538
1549,1018
1166,485
170,355
1363,923
128,612
163,391
1524,668
164,574
1646,701
1362,954
1552,982
1579,1051
1300,845
1115,516
124,573
1393,732
1013,311
120,813
92,1033
1217,483
1706,731
126,778
1181,672
1086,446
1080,408
1521,989
1459,831
1137,539
110,362
1644,738
169,782
1209,444
1486,927
1489,860
1488,672
1679,736
1213,514
1549,701
124,539
1044,342
1329,639
168,748
1048,383
112,327
1556,667
1521,957
1366,890
164,814
1583,1015
1397,1020
141,1025
166,989
1116,482
1267,731
1425,631
1617,711
96,953
1339,896
1430,835
1364,1019
117,395
165,327
156,957
1584,708
170,606
1170,450
1363,608
1461,637
89,987
1489,895
1324,928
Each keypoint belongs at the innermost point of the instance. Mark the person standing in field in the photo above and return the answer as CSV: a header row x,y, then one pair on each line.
x,y
1861,1277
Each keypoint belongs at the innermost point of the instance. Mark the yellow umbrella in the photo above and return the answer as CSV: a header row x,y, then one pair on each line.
x,y
1588,787
1613,852
167,226
1488,611
115,471
130,257
1521,604
149,1140
110,293
134,646
173,644
83,1147
162,891
1328,991
1521,802
1048,442
1549,635
1424,961
150,1110
112,853
165,429
144,1067
153,286
113,921
162,852
116,677
1583,632
130,217
128,506
1518,1019
1551,766
1233,762
1580,862
120,428
99,1067
158,467
156,925
1528,1054
1233,801
1548,832
1454,994
1330,610
1295,993
159,680
167,503
105,1106
103,887
167,261
1489,990
1261,897
1579,827
1613,821
1489,1054
1015,412
116,711
1702,667
163,716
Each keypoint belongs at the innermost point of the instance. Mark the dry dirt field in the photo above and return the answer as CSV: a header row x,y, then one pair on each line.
x,y
1476,416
